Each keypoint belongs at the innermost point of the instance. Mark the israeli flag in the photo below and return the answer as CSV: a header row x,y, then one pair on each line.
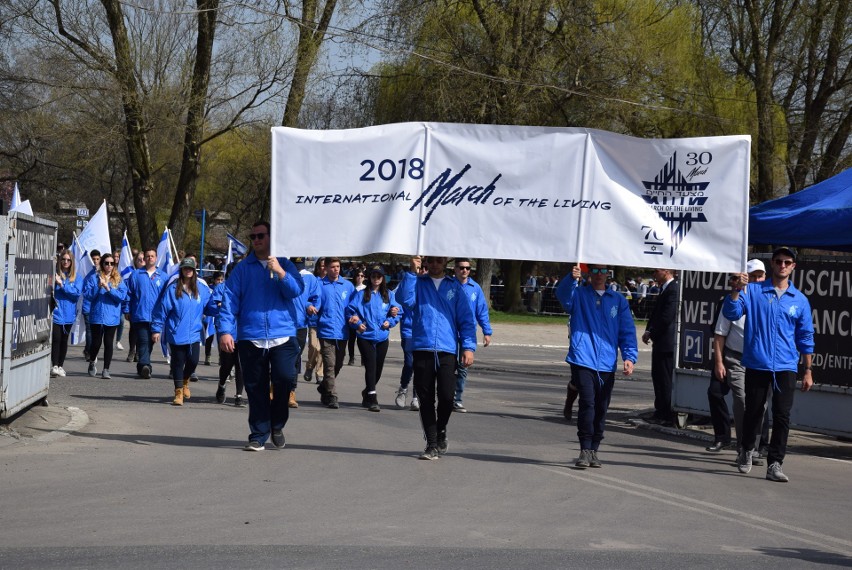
x,y
125,260
238,247
84,267
165,260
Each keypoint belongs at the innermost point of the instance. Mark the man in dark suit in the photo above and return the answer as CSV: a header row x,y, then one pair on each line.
x,y
661,330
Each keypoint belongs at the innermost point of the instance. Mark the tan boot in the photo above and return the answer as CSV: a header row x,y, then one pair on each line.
x,y
178,401
186,392
271,395
293,403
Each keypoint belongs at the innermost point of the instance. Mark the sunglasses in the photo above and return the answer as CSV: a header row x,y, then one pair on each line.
x,y
783,262
598,270
465,268
108,263
376,275
65,260
253,237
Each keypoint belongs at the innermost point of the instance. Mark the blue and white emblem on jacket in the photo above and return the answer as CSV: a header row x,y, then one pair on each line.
x,y
613,312
343,294
793,311
450,294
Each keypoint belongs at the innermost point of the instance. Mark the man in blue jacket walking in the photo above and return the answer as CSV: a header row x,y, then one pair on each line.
x,y
474,294
601,325
332,330
441,319
778,328
259,303
145,286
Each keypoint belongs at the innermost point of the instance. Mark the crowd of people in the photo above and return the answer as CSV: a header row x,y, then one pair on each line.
x,y
269,309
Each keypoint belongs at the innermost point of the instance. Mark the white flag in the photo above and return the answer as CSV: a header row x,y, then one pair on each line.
x,y
19,206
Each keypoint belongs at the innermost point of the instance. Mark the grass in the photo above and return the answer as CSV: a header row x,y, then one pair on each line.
x,y
499,317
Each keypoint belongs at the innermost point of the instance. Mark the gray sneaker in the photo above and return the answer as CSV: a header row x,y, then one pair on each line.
x,y
278,439
593,459
774,473
93,370
459,407
105,374
744,461
400,398
254,446
415,404
583,461
758,459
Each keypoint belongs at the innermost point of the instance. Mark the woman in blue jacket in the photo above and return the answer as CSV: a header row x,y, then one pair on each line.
x,y
178,312
372,312
106,292
66,292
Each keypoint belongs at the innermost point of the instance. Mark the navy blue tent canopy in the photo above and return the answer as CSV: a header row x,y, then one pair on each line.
x,y
818,217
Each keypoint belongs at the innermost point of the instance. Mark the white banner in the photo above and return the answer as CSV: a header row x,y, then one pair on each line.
x,y
507,192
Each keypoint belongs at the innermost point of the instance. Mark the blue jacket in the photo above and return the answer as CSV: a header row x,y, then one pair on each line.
x,y
309,296
405,324
92,276
217,297
441,318
258,306
181,317
104,306
776,330
66,296
373,313
334,297
600,326
474,293
144,290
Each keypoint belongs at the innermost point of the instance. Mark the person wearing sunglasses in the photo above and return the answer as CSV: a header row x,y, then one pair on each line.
x,y
371,313
106,296
441,320
66,292
473,292
779,327
358,279
661,331
259,305
95,257
601,327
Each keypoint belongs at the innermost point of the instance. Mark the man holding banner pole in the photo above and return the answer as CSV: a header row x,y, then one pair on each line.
x,y
442,319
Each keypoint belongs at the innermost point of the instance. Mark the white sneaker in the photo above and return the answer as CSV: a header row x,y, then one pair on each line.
x,y
60,371
400,398
415,404
118,346
54,371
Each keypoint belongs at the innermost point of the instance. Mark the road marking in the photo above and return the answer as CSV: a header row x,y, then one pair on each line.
x,y
78,421
704,508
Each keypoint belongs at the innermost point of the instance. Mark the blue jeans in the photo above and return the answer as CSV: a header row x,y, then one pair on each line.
x,y
184,361
259,366
407,362
143,345
593,401
461,375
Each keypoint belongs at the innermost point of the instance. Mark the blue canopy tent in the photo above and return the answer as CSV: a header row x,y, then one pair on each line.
x,y
818,217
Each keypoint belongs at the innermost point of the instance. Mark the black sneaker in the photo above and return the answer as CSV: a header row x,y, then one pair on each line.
x,y
254,446
145,373
365,399
239,402
93,370
352,362
206,362
717,446
332,402
374,403
278,439
220,395
429,454
442,442
193,377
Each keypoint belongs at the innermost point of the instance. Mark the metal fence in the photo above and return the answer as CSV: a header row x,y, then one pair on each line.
x,y
544,301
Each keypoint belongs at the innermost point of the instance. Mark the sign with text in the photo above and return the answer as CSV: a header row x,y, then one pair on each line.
x,y
511,192
826,284
34,269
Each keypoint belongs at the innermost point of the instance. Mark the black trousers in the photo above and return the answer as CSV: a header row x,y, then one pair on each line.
x,y
102,334
373,354
231,361
59,344
662,369
434,374
758,383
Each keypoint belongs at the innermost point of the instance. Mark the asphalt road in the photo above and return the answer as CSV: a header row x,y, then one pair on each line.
x,y
148,485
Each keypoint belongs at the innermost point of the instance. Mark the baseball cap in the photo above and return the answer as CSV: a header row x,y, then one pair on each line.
x,y
755,265
784,250
187,262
